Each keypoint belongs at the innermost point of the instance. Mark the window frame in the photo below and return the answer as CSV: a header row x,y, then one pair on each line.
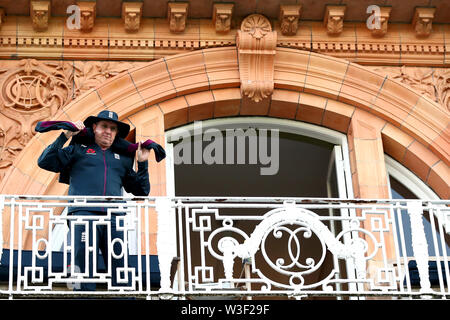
x,y
284,125
408,179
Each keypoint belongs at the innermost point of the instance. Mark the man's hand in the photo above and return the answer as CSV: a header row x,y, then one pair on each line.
x,y
142,153
79,125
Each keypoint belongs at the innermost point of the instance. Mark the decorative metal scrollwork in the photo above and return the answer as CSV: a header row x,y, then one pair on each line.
x,y
290,223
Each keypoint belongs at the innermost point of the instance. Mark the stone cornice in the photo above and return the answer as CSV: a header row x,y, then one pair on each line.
x,y
109,41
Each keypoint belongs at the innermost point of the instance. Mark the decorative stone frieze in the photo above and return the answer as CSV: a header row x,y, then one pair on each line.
x,y
289,17
177,15
88,13
40,14
222,14
256,43
431,82
32,90
131,15
334,19
31,87
29,92
151,41
422,21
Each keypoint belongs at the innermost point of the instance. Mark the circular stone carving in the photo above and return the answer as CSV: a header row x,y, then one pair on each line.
x,y
256,25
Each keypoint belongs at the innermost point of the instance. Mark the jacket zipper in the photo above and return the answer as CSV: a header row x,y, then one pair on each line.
x,y
104,181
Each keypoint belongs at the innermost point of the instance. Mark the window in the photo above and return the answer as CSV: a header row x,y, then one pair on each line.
x,y
298,164
300,161
405,185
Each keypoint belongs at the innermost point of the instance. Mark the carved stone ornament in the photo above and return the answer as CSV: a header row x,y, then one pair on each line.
x,y
431,82
2,17
256,43
334,19
381,22
422,21
289,17
222,14
88,13
40,14
31,91
177,15
131,15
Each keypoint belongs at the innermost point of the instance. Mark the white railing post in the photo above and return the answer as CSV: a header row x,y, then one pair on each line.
x,y
166,240
419,243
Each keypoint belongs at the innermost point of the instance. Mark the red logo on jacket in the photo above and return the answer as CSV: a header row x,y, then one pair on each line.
x,y
92,151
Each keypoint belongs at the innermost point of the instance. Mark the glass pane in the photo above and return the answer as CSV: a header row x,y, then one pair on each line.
x,y
302,171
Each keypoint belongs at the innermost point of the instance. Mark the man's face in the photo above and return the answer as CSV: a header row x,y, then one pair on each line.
x,y
105,132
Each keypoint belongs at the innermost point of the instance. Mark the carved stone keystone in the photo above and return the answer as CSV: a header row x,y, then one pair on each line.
x,y
88,13
40,14
334,19
289,17
256,43
177,15
131,15
222,14
422,21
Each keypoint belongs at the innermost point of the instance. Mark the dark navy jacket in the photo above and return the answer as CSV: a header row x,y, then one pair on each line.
x,y
94,172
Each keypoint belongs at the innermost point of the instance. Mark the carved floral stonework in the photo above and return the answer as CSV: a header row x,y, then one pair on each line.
x,y
256,43
256,25
381,22
422,21
177,15
432,82
40,14
222,14
31,91
131,15
90,74
88,13
289,17
334,19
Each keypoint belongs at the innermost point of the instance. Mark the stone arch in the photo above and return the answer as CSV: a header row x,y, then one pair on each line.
x,y
204,84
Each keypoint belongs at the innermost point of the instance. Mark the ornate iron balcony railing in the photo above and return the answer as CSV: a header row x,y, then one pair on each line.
x,y
239,248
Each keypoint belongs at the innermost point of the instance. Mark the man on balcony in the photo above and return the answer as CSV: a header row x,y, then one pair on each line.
x,y
95,169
